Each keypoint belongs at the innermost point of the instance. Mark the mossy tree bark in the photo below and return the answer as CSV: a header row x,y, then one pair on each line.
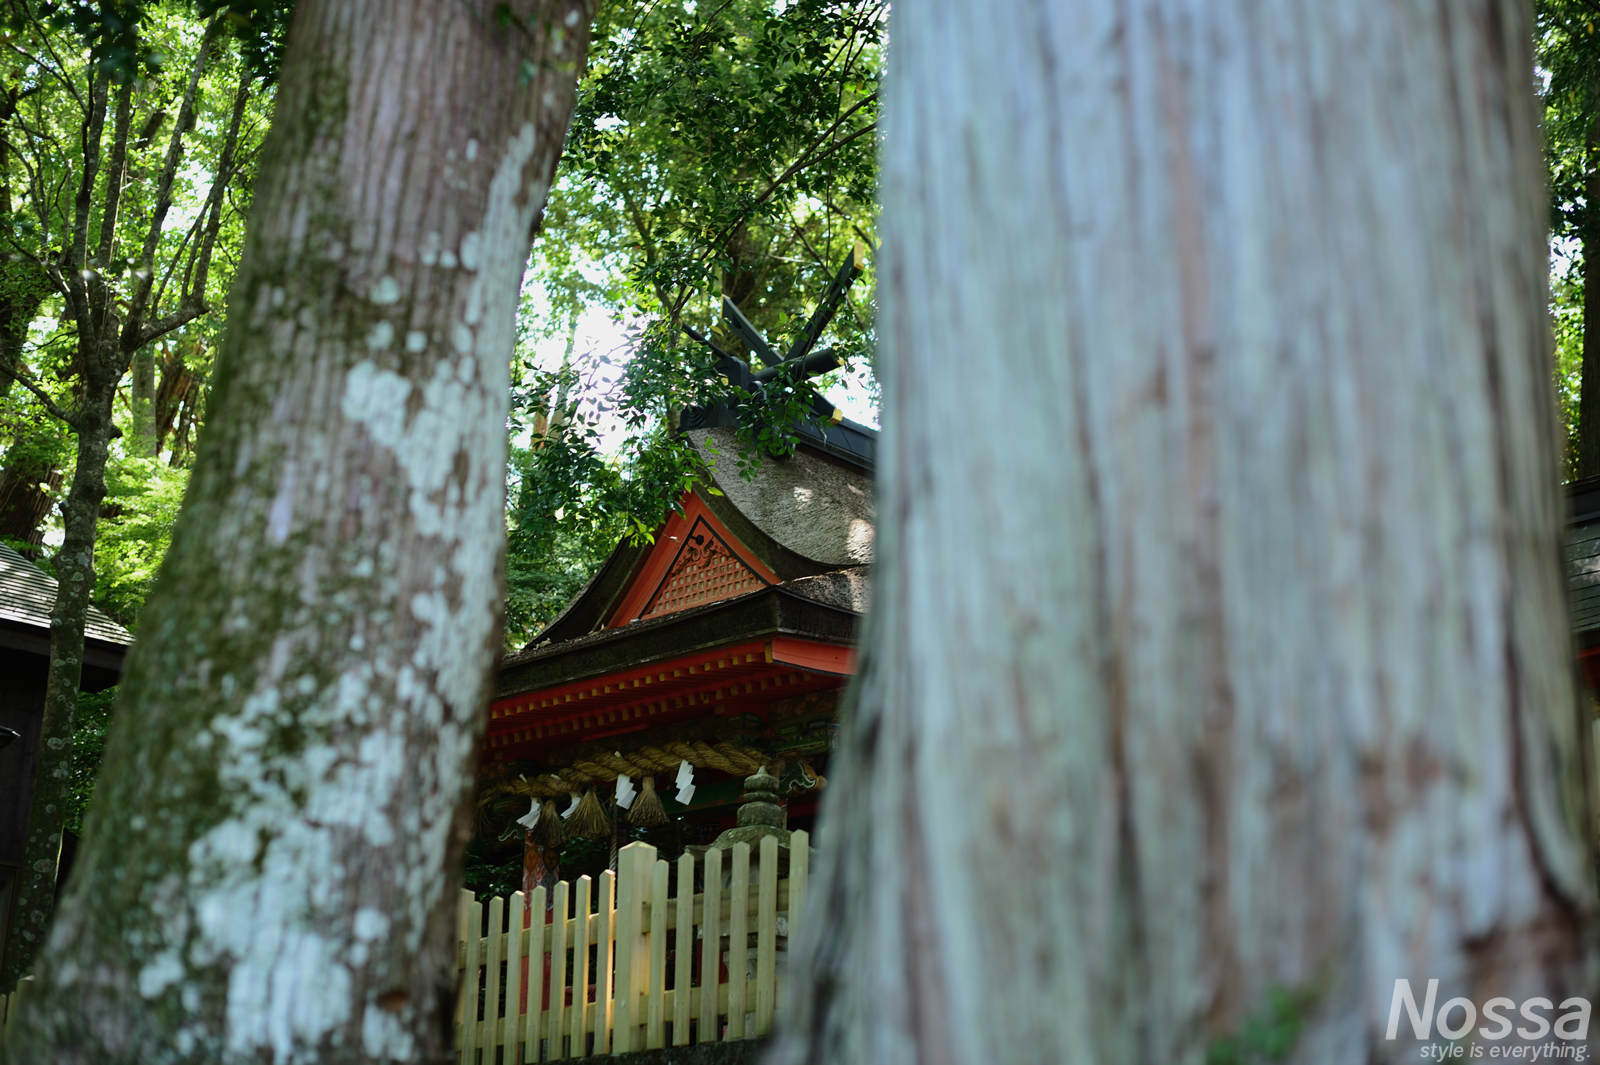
x,y
267,870
1226,654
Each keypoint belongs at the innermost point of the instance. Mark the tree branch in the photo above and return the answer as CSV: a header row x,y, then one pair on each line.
x,y
188,310
145,277
219,183
806,159
55,71
41,395
78,253
116,173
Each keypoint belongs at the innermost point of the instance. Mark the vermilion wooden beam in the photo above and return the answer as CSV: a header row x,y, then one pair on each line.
x,y
729,680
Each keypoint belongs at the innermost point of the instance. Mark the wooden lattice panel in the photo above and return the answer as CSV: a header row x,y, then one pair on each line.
x,y
705,571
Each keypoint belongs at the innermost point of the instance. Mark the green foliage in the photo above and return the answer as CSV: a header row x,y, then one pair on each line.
x,y
259,27
570,504
726,148
1567,55
1566,318
40,162
93,722
717,149
1270,1034
1567,52
142,500
110,29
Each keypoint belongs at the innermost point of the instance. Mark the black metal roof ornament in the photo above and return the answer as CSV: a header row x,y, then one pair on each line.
x,y
847,439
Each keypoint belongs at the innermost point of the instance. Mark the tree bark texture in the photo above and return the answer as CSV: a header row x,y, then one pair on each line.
x,y
1220,649
141,400
267,869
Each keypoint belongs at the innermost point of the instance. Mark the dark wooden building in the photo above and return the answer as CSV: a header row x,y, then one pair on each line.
x,y
1583,573
26,596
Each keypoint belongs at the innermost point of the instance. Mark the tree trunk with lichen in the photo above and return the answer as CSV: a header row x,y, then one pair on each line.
x,y
1221,673
267,872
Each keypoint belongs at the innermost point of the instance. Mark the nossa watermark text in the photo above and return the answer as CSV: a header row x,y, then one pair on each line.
x,y
1457,1017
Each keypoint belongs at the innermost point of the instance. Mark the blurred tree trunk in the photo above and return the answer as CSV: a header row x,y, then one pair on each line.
x,y
177,393
1220,670
268,872
142,400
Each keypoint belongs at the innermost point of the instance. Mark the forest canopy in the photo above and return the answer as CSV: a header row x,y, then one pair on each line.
x,y
717,150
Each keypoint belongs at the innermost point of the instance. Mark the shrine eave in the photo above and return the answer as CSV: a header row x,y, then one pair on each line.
x,y
755,617
729,658
729,681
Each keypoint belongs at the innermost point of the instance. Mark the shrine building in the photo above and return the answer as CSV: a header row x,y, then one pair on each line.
x,y
723,644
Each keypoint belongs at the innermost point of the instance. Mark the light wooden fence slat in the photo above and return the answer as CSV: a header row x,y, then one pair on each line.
x,y
580,970
471,985
799,873
516,911
558,973
14,1001
630,906
711,954
655,980
683,958
463,917
738,940
607,986
533,1023
494,943
767,935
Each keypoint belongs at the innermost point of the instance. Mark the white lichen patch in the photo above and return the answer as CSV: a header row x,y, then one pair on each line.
x,y
471,249
386,291
164,970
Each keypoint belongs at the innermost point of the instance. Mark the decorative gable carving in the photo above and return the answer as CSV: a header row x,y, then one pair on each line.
x,y
695,561
705,571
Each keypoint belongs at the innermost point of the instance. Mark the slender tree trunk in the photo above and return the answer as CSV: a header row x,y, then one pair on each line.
x,y
52,781
142,400
1220,647
1589,372
267,870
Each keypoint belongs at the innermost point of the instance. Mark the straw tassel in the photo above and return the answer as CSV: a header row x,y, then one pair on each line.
x,y
588,819
647,810
549,831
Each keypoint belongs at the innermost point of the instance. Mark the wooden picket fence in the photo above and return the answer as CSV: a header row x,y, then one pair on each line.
x,y
620,978
8,1003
